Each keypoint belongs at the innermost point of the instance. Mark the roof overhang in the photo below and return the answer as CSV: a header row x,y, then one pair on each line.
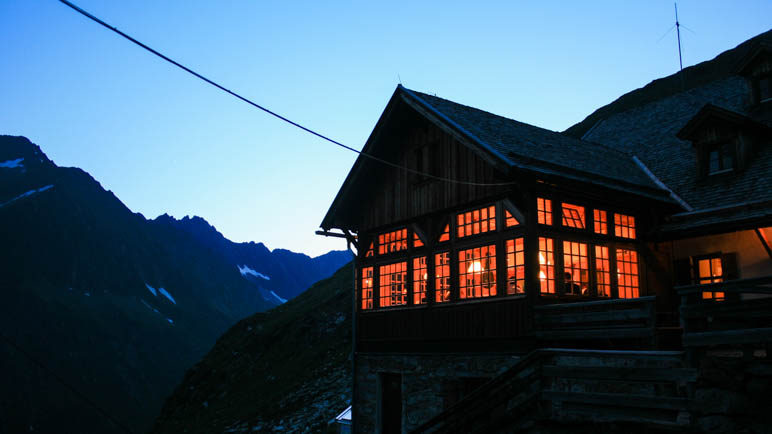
x,y
710,115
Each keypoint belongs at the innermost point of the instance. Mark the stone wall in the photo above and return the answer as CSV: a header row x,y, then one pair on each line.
x,y
733,395
427,379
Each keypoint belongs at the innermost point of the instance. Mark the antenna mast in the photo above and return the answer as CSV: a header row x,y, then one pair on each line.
x,y
678,32
680,59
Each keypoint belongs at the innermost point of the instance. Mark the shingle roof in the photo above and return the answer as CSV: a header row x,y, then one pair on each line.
x,y
526,146
649,132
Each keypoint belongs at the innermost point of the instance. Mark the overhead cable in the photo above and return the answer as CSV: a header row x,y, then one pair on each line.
x,y
270,112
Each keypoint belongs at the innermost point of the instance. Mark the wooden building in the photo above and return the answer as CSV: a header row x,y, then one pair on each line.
x,y
487,246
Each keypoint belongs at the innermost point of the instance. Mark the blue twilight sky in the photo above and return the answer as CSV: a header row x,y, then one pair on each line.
x,y
163,141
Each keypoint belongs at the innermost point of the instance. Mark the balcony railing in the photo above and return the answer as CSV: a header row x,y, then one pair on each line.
x,y
742,319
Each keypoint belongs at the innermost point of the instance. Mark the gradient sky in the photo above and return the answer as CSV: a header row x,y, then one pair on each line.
x,y
165,142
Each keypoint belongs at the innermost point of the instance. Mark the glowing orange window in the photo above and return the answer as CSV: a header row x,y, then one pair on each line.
x,y
420,278
547,265
573,216
515,267
509,220
370,252
576,268
544,211
392,241
602,271
627,273
477,272
624,226
392,284
600,221
445,234
417,240
366,288
709,270
442,277
477,221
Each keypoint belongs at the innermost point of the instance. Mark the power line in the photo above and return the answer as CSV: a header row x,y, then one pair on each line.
x,y
270,112
71,388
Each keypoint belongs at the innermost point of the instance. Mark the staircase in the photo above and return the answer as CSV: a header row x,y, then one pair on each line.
x,y
570,385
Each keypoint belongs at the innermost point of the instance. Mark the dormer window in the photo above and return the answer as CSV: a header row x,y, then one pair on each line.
x,y
720,158
764,86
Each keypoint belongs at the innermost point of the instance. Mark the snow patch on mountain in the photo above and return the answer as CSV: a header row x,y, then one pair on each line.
x,y
246,270
281,300
149,306
12,164
151,289
166,294
25,194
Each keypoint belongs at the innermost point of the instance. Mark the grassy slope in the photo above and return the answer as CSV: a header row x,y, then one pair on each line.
x,y
288,367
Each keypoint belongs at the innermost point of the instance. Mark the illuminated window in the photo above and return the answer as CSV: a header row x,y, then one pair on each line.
x,y
601,222
393,284
544,211
573,216
547,265
477,272
602,271
417,240
442,277
370,251
445,234
709,270
392,241
624,226
420,278
627,273
477,221
515,267
366,288
576,268
509,220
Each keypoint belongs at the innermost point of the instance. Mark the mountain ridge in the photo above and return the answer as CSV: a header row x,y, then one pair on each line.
x,y
117,304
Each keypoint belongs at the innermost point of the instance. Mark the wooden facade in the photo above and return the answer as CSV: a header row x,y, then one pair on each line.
x,y
482,241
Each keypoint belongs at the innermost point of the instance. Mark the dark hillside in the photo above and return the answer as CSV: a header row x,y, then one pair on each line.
x,y
287,369
721,66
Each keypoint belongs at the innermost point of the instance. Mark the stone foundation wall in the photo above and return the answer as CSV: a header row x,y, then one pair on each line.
x,y
733,395
425,383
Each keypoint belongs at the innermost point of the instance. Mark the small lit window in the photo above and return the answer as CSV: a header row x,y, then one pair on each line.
x,y
417,240
392,241
370,252
393,284
509,220
709,270
445,234
576,268
600,221
420,278
624,226
720,158
627,273
366,288
515,267
602,271
477,221
442,276
544,211
477,272
573,216
547,265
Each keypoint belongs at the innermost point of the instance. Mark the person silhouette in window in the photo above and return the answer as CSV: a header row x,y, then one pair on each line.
x,y
572,287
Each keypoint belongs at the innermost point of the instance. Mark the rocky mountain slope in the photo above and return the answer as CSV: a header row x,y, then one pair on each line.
x,y
114,305
285,370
